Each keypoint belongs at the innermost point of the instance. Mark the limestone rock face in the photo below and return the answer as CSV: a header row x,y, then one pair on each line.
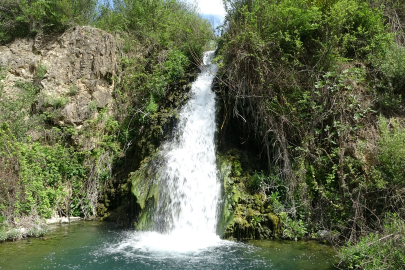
x,y
80,65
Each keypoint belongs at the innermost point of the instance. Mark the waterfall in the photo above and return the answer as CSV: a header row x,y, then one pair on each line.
x,y
186,215
189,181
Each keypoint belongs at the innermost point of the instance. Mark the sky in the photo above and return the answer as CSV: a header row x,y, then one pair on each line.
x,y
211,8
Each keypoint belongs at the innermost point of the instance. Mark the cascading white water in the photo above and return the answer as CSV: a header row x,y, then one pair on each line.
x,y
186,215
189,179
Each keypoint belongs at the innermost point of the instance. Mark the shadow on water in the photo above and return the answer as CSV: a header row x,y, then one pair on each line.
x,y
101,245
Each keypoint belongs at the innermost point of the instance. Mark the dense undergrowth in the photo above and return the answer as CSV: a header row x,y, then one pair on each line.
x,y
316,87
159,41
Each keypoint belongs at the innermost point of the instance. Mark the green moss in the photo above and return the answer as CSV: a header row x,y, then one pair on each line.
x,y
144,221
144,185
244,215
275,220
227,215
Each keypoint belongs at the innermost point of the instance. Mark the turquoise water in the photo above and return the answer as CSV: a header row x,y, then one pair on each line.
x,y
101,245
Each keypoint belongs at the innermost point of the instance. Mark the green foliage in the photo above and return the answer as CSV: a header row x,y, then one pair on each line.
x,y
24,17
41,71
14,234
14,110
73,90
393,67
56,102
380,250
236,168
152,106
391,151
51,178
293,229
257,181
3,234
168,24
172,70
37,231
307,78
92,106
356,30
174,65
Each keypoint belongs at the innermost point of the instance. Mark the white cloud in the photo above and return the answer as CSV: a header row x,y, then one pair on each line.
x,y
214,7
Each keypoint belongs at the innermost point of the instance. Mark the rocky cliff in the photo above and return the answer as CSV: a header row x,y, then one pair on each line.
x,y
74,71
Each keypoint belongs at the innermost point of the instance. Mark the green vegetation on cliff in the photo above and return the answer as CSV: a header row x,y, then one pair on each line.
x,y
316,88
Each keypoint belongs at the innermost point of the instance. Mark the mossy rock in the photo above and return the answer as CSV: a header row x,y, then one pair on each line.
x,y
245,214
144,184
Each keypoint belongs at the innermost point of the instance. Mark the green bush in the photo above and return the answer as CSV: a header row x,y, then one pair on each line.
x,y
393,67
41,71
391,151
92,106
37,231
380,250
26,17
293,229
15,110
58,102
174,65
257,181
73,90
152,106
47,179
357,31
3,233
14,234
167,24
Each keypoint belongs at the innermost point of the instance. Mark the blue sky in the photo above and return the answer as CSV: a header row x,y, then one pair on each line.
x,y
209,9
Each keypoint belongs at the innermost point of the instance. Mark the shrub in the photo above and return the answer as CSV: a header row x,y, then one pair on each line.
x,y
174,65
293,229
393,68
357,31
257,181
41,71
380,250
152,106
24,17
3,233
14,110
92,106
37,231
14,234
391,151
59,102
73,90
